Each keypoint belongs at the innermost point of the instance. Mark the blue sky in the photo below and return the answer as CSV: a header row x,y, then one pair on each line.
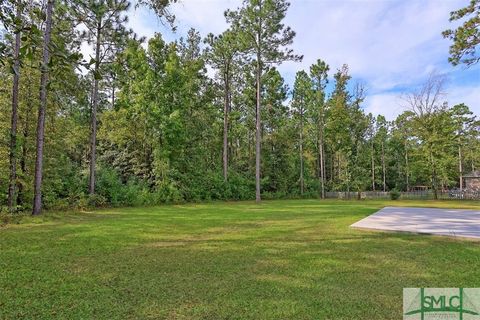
x,y
391,46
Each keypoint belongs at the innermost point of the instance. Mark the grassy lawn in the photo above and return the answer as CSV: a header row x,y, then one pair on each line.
x,y
279,260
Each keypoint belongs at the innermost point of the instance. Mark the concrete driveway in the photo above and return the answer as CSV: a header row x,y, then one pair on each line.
x,y
446,222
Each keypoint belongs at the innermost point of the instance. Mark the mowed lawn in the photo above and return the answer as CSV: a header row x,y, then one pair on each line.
x,y
293,259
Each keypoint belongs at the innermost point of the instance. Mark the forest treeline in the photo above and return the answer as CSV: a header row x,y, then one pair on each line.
x,y
147,121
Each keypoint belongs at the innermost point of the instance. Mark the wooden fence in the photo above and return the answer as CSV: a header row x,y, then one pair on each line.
x,y
410,195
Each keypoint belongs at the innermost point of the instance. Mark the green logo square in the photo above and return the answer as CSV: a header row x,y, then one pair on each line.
x,y
441,303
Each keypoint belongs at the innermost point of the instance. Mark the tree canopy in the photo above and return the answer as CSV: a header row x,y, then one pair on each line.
x,y
206,117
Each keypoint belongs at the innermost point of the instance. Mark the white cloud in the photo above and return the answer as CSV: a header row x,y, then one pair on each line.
x,y
204,15
391,105
389,45
470,95
143,22
388,104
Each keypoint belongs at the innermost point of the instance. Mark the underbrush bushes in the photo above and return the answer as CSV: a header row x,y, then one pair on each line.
x,y
395,194
114,190
239,188
213,187
9,218
167,192
111,190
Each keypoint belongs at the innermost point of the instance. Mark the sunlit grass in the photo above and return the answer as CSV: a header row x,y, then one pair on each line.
x,y
278,260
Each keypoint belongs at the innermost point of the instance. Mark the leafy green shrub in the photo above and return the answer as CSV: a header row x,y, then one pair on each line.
x,y
61,204
10,218
109,186
268,195
96,200
82,203
4,218
135,193
310,194
239,188
61,185
168,192
394,194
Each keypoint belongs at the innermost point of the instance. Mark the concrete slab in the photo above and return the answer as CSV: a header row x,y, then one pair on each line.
x,y
446,222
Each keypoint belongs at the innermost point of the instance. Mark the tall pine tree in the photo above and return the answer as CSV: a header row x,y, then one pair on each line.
x,y
265,39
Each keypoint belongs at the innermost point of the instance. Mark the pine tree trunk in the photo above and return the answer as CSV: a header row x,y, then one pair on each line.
x,y
113,94
406,167
23,159
318,173
332,164
322,158
250,151
373,168
339,170
37,200
434,177
14,119
322,167
384,169
258,133
93,138
301,152
226,111
460,167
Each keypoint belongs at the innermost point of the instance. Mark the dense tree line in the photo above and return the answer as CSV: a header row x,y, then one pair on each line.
x,y
145,122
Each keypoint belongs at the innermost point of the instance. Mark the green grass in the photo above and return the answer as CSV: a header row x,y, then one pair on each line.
x,y
279,260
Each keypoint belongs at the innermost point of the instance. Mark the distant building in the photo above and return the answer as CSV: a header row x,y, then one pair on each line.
x,y
472,181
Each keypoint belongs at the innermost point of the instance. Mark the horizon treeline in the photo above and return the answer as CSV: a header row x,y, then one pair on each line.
x,y
143,121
